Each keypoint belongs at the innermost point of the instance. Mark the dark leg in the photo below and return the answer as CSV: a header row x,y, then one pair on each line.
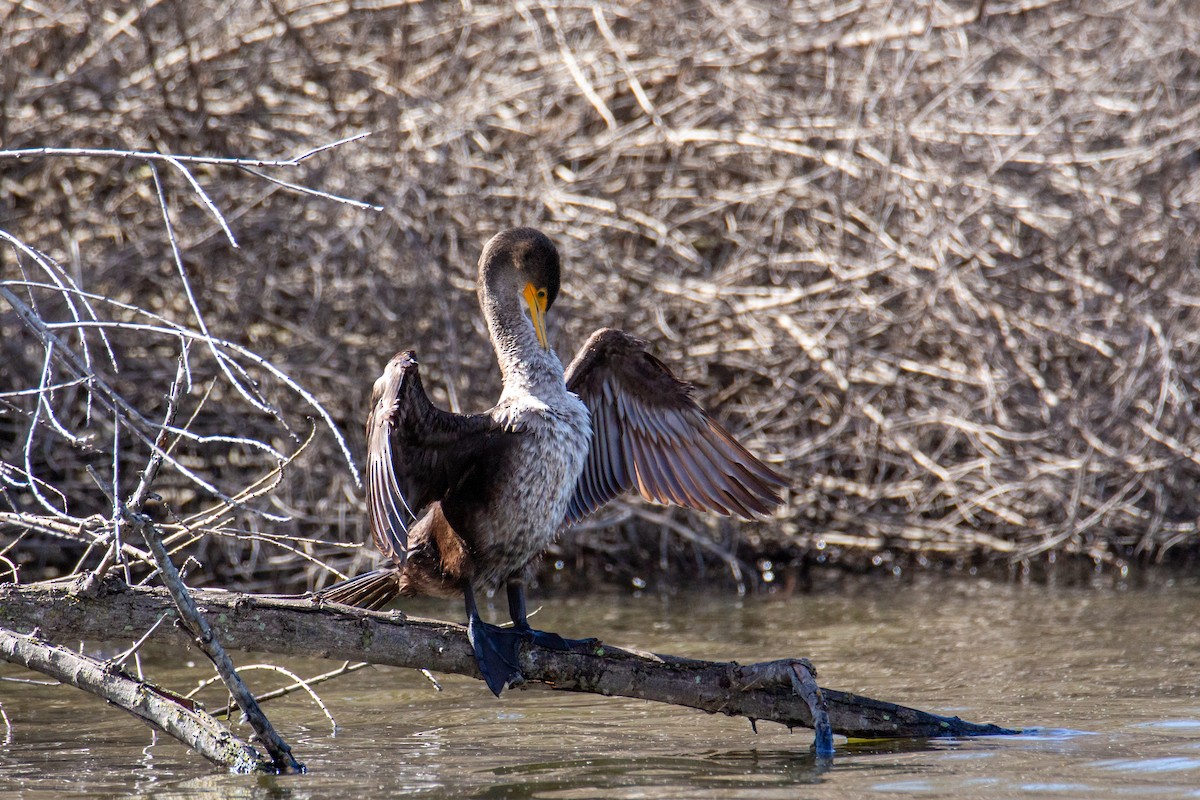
x,y
551,641
496,649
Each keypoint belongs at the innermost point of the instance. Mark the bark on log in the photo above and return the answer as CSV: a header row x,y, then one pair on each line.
x,y
304,627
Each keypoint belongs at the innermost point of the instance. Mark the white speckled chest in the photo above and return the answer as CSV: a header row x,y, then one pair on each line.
x,y
536,484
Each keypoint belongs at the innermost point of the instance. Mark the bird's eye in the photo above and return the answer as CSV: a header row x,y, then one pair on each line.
x,y
541,294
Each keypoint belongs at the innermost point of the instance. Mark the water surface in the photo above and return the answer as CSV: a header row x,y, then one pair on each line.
x,y
1105,679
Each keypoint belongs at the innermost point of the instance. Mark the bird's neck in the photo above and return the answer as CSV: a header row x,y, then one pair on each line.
x,y
527,369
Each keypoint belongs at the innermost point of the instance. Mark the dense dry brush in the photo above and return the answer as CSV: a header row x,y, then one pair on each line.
x,y
937,261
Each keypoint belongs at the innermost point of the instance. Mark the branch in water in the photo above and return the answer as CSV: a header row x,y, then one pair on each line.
x,y
167,711
304,627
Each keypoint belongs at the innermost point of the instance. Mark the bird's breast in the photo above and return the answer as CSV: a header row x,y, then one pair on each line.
x,y
551,437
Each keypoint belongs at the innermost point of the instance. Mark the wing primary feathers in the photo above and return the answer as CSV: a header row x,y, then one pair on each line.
x,y
388,526
649,434
724,472
414,450
744,457
665,475
646,484
693,493
712,480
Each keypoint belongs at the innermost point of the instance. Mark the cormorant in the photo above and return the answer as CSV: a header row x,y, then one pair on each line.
x,y
497,487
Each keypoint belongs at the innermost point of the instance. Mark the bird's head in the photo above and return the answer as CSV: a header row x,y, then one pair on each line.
x,y
521,265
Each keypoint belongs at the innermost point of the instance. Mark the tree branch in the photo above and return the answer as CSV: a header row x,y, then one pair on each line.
x,y
189,614
164,710
209,643
304,627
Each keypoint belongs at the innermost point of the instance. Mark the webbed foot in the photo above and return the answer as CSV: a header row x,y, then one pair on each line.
x,y
497,651
552,641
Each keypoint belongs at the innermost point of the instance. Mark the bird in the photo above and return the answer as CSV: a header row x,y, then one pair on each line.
x,y
462,503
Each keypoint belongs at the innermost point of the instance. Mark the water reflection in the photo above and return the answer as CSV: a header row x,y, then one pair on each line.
x,y
1112,689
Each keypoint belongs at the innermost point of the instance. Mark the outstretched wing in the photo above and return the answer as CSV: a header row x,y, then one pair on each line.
x,y
414,452
649,434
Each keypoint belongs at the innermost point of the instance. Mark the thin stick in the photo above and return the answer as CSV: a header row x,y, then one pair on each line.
x,y
204,199
189,613
121,658
295,187
145,155
299,684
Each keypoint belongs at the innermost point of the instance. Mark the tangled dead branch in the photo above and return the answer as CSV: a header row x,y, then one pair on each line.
x,y
940,261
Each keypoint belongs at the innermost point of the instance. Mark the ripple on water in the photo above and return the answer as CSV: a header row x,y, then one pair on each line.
x,y
904,786
1049,734
1172,725
1144,765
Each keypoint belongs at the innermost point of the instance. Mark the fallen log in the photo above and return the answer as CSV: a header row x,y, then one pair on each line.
x,y
304,626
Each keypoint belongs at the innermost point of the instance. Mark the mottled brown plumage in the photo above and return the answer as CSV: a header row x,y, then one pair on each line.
x,y
461,503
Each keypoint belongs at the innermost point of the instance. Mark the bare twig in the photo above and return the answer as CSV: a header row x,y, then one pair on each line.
x,y
92,152
189,613
300,684
121,658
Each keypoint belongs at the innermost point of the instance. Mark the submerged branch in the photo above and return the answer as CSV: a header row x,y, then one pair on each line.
x,y
166,711
305,627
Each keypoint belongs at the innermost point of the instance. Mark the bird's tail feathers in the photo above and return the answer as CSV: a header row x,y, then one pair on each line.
x,y
372,590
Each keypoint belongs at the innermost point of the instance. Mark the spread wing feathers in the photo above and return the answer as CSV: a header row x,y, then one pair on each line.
x,y
649,434
414,452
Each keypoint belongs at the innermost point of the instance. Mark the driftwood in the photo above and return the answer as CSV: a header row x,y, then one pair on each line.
x,y
772,691
169,712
